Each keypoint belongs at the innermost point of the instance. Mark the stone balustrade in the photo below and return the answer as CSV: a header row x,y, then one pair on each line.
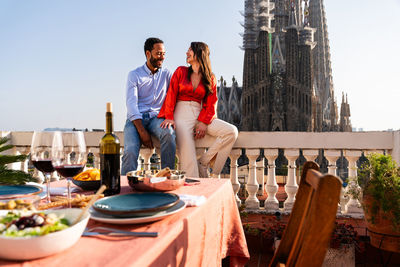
x,y
334,144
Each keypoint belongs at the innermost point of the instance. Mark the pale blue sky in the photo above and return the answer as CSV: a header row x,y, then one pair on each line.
x,y
61,61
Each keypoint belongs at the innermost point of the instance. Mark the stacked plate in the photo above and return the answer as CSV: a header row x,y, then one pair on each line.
x,y
136,207
10,191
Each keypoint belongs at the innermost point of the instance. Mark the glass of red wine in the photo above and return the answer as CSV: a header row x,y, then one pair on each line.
x,y
69,156
41,156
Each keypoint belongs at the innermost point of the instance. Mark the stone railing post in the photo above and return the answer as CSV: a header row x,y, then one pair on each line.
x,y
353,206
235,154
23,164
271,203
260,166
332,156
252,185
158,152
310,154
146,154
291,185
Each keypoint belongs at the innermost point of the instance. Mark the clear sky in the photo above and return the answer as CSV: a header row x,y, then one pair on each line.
x,y
61,61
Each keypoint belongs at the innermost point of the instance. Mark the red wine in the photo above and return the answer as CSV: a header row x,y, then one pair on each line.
x,y
69,170
43,165
109,173
109,157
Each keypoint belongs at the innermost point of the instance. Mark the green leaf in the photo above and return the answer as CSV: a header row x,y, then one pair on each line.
x,y
4,140
6,147
15,177
7,159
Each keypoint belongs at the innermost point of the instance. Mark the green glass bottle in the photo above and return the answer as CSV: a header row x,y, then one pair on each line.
x,y
110,157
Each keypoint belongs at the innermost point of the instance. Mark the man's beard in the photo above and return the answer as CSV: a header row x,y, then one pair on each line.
x,y
155,63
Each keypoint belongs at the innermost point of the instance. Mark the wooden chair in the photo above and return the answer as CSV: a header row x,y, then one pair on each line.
x,y
309,229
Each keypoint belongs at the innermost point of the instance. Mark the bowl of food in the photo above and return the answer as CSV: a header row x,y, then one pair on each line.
x,y
30,235
161,181
28,202
88,179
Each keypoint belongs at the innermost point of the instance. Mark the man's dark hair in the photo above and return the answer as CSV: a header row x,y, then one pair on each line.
x,y
150,42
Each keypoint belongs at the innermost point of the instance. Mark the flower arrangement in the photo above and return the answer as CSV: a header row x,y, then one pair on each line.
x,y
344,235
274,230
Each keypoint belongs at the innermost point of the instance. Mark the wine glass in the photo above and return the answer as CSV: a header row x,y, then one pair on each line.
x,y
41,156
69,156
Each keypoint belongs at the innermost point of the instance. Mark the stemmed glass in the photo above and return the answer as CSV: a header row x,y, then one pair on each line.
x,y
41,156
69,156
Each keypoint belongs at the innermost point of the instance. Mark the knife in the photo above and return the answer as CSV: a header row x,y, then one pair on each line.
x,y
139,234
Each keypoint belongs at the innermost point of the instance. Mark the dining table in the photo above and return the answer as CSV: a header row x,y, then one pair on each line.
x,y
195,236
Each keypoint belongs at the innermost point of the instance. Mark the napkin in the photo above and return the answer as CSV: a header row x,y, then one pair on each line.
x,y
62,191
193,200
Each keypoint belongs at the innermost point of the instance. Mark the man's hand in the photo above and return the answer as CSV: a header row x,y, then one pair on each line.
x,y
200,130
144,135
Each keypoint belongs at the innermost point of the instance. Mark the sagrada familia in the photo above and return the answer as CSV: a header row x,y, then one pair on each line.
x,y
287,75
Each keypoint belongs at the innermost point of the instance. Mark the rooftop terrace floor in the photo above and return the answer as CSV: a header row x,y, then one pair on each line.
x,y
260,254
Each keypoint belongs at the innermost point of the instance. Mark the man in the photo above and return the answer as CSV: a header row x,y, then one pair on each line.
x,y
145,93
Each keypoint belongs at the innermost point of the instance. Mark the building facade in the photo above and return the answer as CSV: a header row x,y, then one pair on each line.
x,y
287,76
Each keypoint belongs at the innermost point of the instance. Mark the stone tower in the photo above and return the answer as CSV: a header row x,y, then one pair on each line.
x,y
287,77
344,123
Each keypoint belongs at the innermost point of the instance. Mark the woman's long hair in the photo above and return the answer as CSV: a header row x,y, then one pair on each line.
x,y
202,53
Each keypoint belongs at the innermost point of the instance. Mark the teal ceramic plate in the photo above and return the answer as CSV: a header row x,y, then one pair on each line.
x,y
100,217
135,204
7,191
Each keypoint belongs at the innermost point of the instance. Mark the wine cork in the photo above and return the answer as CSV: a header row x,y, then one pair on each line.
x,y
109,107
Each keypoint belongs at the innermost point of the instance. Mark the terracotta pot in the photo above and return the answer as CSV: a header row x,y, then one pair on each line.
x,y
381,231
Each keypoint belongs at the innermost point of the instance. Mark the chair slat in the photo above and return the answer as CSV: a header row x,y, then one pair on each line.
x,y
307,235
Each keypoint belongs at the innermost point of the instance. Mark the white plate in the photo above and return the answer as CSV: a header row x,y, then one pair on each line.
x,y
97,216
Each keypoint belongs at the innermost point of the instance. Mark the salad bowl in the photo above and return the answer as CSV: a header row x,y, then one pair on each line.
x,y
32,247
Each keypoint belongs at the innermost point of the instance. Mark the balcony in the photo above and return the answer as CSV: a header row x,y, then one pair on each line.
x,y
350,144
277,195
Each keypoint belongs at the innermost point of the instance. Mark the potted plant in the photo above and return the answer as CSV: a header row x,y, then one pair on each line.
x,y
379,179
8,176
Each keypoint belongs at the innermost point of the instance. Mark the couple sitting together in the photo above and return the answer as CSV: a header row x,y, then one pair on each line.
x,y
181,108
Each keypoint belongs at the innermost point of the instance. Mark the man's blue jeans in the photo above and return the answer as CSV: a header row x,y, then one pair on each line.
x,y
132,143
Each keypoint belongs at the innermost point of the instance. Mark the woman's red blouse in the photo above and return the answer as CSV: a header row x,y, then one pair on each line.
x,y
181,88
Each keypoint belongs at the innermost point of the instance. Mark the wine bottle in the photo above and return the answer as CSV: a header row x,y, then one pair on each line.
x,y
109,157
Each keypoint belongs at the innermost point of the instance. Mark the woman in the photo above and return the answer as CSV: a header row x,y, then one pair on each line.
x,y
190,107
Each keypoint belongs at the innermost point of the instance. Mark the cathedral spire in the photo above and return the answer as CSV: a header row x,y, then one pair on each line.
x,y
250,24
278,62
292,15
306,22
265,16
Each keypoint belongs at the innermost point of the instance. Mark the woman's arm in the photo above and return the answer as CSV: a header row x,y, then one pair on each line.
x,y
208,111
172,93
167,110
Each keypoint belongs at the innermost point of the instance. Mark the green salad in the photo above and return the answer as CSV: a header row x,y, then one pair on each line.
x,y
20,224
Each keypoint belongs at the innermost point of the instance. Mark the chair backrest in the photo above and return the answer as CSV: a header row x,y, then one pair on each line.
x,y
311,222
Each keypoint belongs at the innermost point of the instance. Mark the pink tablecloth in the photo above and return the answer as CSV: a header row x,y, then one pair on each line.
x,y
196,236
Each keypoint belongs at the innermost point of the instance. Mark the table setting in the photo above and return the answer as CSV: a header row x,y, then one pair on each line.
x,y
158,217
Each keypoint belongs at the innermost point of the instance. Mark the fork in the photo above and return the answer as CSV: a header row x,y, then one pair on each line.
x,y
112,231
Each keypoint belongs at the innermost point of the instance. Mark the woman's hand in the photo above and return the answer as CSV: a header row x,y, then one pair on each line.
x,y
200,130
168,123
